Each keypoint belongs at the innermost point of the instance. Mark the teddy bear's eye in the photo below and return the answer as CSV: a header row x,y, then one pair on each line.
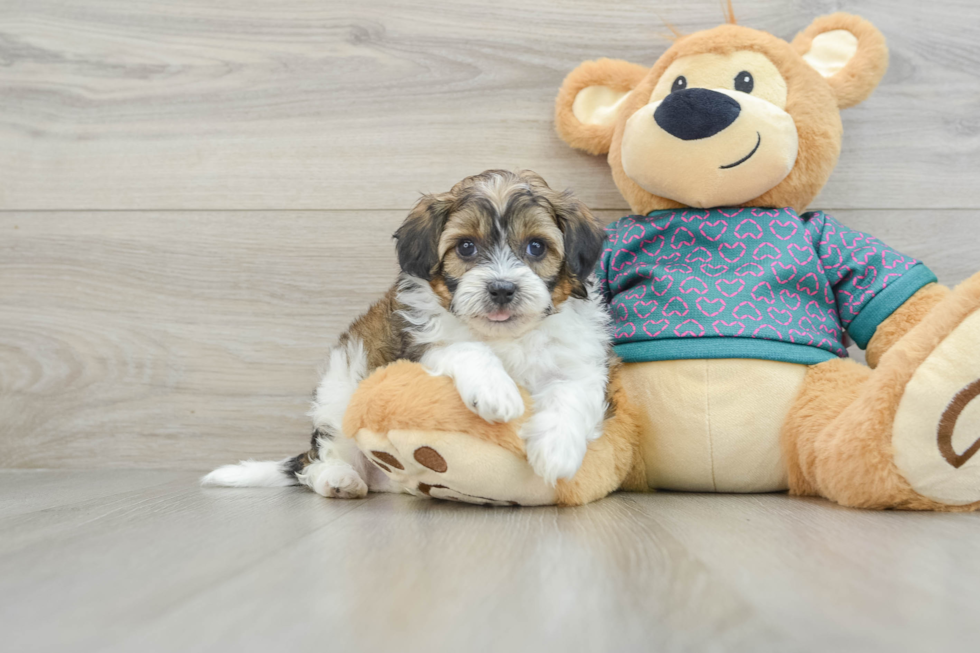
x,y
679,84
744,82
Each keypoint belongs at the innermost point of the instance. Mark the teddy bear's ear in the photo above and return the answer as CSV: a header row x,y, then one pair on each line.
x,y
848,51
589,101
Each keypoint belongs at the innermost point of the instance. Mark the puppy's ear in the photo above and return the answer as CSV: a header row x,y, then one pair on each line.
x,y
848,51
418,236
584,237
588,103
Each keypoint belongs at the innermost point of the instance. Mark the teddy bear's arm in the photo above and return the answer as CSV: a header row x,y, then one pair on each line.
x,y
895,326
870,281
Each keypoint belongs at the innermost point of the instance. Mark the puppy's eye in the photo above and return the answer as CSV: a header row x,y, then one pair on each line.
x,y
744,82
466,248
679,84
536,248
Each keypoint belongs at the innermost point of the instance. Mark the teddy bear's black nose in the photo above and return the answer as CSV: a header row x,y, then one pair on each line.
x,y
696,113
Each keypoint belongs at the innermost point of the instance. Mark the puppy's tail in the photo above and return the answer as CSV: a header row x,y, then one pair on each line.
x,y
255,473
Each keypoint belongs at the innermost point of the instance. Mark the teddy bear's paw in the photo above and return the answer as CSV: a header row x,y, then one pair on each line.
x,y
454,466
936,432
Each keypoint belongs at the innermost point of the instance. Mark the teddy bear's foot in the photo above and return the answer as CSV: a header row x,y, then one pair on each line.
x,y
454,466
415,428
906,435
936,433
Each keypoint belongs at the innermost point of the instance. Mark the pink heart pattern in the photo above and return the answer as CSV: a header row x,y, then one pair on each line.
x,y
762,292
730,287
731,252
711,307
689,329
796,279
645,309
695,285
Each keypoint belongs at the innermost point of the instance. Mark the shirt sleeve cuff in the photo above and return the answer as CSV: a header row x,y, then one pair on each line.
x,y
882,305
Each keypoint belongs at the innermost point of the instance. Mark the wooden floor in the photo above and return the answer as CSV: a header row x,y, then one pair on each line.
x,y
148,561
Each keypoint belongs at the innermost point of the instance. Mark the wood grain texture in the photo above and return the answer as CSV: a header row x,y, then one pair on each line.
x,y
175,339
204,329
148,561
122,104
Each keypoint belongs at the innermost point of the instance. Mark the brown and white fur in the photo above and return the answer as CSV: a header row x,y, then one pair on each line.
x,y
494,292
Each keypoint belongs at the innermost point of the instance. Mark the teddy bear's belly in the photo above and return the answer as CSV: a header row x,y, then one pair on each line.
x,y
714,425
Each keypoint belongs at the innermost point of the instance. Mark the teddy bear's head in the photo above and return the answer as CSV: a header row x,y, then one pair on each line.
x,y
729,116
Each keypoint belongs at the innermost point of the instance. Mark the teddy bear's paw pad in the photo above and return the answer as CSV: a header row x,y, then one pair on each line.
x,y
386,461
936,435
449,494
430,459
454,466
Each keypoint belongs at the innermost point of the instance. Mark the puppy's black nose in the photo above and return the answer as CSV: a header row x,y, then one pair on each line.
x,y
696,113
501,292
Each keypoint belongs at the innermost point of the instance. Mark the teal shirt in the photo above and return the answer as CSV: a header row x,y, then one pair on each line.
x,y
748,283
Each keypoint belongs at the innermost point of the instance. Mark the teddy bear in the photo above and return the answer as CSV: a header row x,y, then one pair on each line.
x,y
732,305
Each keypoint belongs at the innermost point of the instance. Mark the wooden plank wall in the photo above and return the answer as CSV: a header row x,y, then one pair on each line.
x,y
197,196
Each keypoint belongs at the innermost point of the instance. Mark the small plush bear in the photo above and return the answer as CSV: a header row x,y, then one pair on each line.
x,y
732,305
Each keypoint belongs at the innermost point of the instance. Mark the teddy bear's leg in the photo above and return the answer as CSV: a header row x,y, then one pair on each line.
x,y
904,435
416,429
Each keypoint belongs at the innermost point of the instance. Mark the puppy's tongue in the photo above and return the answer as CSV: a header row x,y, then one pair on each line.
x,y
498,316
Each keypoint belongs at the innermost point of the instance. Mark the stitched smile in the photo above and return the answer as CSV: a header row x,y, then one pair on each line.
x,y
747,156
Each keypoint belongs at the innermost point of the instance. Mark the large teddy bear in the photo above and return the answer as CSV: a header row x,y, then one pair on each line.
x,y
732,305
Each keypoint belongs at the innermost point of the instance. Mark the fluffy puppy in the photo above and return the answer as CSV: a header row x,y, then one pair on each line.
x,y
494,292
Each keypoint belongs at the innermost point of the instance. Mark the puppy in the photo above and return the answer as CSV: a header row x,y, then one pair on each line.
x,y
494,292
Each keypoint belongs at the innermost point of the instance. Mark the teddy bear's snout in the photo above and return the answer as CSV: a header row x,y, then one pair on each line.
x,y
696,113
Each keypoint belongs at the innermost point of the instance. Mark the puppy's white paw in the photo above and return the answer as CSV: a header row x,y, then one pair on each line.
x,y
554,453
336,481
492,396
